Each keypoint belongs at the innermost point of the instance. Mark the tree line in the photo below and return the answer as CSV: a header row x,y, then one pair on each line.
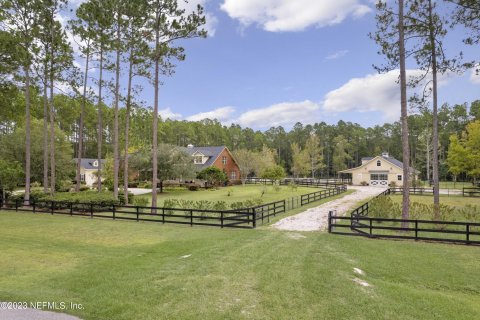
x,y
139,38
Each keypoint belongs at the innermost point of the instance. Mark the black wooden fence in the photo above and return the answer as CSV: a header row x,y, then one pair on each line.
x,y
471,192
359,224
239,218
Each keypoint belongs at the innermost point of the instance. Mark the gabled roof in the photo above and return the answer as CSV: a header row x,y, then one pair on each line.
x,y
393,161
211,152
88,163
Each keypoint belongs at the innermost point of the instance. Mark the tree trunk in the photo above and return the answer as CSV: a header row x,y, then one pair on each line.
x,y
52,114
45,129
155,114
404,116
115,125
436,183
100,124
82,116
127,125
27,134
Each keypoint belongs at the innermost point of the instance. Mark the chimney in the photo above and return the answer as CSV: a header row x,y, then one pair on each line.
x,y
190,146
385,154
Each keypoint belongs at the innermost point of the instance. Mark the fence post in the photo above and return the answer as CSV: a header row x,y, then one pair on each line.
x,y
221,218
33,206
91,210
330,221
16,205
468,233
254,218
51,206
416,230
71,209
191,218
370,226
137,214
163,215
113,211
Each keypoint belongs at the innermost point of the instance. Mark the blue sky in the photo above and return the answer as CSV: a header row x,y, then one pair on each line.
x,y
276,62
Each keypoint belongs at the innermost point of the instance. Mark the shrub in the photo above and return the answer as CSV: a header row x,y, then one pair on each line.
x,y
63,186
84,188
392,184
140,202
364,183
145,185
220,206
35,184
193,188
382,207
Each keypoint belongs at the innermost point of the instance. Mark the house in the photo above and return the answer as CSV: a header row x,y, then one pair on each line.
x,y
378,171
88,170
219,157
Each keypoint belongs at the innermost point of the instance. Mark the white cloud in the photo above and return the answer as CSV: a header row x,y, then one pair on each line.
x,y
221,114
297,15
169,114
374,92
336,55
282,114
475,75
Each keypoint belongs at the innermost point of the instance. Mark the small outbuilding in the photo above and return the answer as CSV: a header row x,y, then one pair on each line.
x,y
378,171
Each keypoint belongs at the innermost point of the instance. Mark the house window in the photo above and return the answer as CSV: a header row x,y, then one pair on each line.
x,y
379,163
399,177
198,159
224,160
233,175
82,177
381,176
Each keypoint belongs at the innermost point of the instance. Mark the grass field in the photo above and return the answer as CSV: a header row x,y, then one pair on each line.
x,y
450,185
453,201
128,270
235,194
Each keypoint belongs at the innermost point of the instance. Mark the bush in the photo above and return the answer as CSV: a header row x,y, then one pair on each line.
x,y
193,188
140,202
35,184
383,207
145,185
84,188
121,197
364,183
133,184
392,184
63,186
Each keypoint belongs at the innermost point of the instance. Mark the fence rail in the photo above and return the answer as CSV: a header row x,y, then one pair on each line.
x,y
359,224
238,218
427,230
471,192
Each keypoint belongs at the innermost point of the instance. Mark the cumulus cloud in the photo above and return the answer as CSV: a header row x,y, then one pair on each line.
x,y
336,55
288,15
169,114
221,114
282,114
374,92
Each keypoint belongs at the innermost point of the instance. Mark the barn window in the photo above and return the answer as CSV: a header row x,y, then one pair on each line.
x,y
399,177
379,163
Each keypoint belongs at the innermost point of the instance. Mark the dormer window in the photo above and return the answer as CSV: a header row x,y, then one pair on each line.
x,y
198,159
379,163
95,163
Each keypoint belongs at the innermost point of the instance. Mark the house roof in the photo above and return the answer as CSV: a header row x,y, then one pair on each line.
x,y
211,152
88,163
393,161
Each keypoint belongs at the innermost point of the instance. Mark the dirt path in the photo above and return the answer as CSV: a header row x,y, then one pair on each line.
x,y
316,219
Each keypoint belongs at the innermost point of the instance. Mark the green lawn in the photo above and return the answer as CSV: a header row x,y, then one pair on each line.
x,y
450,185
235,194
129,270
453,201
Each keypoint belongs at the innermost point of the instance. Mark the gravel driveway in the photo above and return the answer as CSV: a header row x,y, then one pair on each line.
x,y
34,314
316,219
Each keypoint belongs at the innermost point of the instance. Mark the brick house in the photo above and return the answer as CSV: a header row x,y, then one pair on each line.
x,y
219,157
